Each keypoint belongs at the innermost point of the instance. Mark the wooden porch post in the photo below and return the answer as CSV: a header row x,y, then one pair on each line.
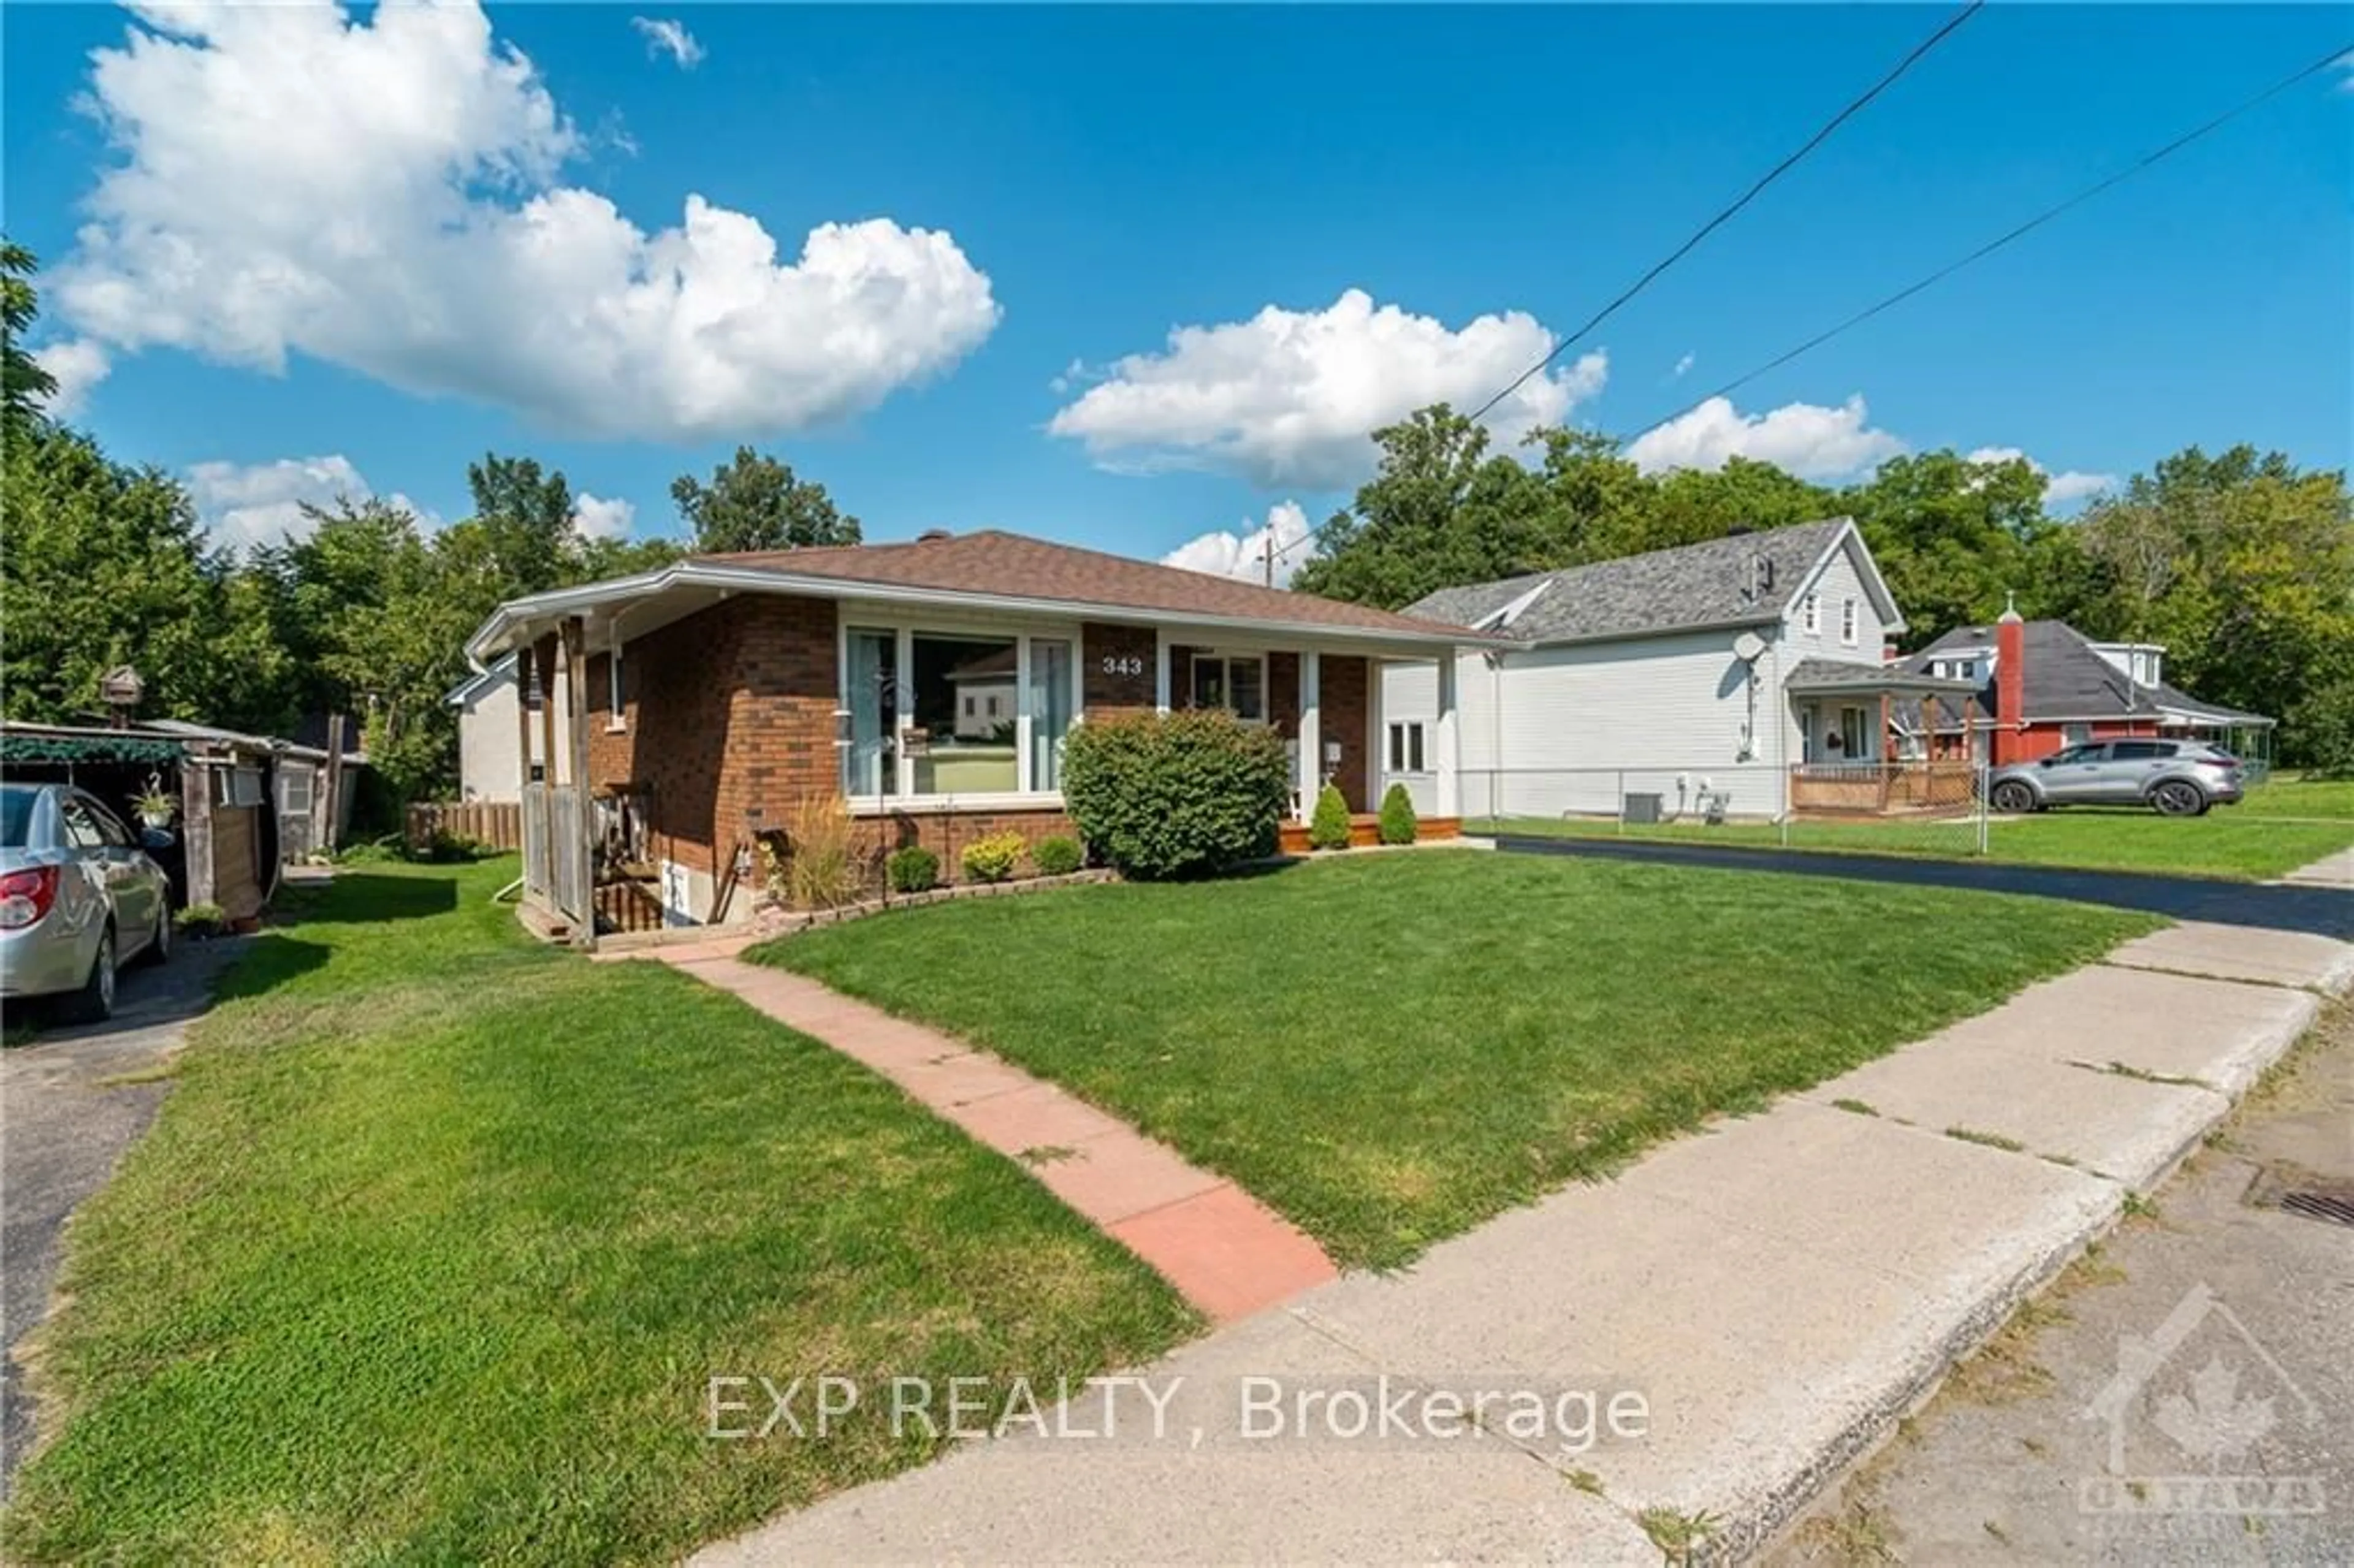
x,y
1311,730
1448,740
574,643
1887,773
524,659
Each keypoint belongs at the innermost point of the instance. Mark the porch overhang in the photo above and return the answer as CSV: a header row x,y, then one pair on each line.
x,y
652,598
1836,678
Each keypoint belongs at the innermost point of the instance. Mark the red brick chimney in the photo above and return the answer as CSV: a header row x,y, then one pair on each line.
x,y
2009,683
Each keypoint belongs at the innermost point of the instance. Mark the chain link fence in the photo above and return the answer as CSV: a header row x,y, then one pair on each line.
x,y
1931,808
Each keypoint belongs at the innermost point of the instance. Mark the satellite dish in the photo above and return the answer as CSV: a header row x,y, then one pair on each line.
x,y
1748,647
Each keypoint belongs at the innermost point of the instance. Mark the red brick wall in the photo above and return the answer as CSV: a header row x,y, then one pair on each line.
x,y
612,754
1126,690
1283,693
729,708
1345,702
945,834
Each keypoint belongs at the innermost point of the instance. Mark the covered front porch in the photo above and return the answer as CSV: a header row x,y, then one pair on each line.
x,y
1869,741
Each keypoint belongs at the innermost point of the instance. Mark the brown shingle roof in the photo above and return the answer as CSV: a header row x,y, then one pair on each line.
x,y
1013,566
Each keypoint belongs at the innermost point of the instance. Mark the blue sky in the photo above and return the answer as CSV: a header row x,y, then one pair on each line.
x,y
353,250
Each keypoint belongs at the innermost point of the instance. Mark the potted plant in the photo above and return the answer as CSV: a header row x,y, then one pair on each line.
x,y
155,806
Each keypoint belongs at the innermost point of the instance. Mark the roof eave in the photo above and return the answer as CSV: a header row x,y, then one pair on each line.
x,y
490,639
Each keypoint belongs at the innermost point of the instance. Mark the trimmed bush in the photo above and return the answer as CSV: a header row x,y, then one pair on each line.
x,y
1181,794
1058,856
1397,816
993,858
912,870
1328,829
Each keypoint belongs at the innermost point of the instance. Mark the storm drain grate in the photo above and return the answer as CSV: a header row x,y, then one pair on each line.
x,y
2335,1207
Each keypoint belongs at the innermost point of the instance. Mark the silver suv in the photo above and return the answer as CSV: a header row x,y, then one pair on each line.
x,y
2177,777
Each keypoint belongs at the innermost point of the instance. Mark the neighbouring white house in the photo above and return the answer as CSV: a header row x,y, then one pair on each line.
x,y
1747,675
489,733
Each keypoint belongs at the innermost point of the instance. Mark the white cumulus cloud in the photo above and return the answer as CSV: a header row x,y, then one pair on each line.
x,y
384,194
599,518
1807,440
1289,397
2059,489
1244,555
246,504
78,365
666,35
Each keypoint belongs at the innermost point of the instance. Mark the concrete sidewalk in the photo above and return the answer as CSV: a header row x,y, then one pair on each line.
x,y
1779,1290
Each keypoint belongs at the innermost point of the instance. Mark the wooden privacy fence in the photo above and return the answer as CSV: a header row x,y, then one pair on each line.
x,y
497,823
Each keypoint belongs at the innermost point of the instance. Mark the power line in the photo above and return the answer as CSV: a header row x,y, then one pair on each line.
x,y
1991,247
1714,224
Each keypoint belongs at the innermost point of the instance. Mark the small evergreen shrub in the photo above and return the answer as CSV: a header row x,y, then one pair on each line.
x,y
1181,794
914,869
993,858
1397,816
1058,856
201,920
1328,829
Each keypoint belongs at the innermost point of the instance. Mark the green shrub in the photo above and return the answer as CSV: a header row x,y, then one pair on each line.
x,y
201,920
1328,829
1397,816
1182,794
993,858
912,870
1058,856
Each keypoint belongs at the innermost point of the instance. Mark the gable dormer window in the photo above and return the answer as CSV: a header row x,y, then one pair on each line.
x,y
1849,621
1810,614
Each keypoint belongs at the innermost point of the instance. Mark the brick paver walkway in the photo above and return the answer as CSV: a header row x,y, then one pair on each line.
x,y
1227,1253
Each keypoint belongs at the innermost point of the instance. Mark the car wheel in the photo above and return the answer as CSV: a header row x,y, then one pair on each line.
x,y
159,945
2177,798
94,1003
2012,796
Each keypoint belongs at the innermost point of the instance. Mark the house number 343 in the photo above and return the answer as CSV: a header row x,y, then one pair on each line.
x,y
1115,664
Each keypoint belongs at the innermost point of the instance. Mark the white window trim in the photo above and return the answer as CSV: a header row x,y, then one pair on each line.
x,y
1400,740
1212,656
1850,622
1810,614
904,631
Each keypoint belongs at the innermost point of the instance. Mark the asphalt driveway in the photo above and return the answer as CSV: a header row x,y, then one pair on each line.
x,y
2321,910
72,1100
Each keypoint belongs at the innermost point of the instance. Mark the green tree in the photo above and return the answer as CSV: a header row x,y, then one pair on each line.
x,y
24,385
1440,512
1954,538
106,565
2242,565
527,519
755,503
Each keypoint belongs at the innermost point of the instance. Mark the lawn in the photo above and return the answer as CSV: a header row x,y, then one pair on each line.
x,y
441,1236
1391,1048
2281,826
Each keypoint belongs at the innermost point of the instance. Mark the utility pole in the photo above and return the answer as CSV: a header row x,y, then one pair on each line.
x,y
1266,540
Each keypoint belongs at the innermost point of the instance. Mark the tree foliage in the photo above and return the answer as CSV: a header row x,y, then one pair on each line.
x,y
24,387
755,503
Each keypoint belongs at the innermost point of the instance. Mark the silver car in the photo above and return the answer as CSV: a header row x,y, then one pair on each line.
x,y
2177,777
79,898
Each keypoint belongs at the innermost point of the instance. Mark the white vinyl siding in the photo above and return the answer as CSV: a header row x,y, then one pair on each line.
x,y
1410,695
1838,583
1574,715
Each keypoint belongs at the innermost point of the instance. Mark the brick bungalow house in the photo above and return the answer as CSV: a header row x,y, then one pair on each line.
x,y
2047,685
671,717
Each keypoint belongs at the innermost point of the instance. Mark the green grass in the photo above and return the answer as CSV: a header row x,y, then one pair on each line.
x,y
440,1237
2281,825
1393,1048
